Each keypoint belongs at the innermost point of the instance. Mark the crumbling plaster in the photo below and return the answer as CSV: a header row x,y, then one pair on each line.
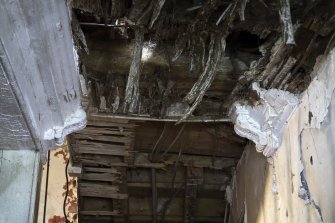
x,y
297,183
263,123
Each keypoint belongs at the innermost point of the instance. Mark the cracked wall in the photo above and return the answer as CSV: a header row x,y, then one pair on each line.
x,y
297,183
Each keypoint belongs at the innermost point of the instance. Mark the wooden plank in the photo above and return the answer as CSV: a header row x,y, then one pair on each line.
x,y
90,150
138,218
215,119
196,140
97,118
142,161
102,170
110,124
98,144
99,194
193,179
99,213
106,150
103,138
98,162
87,187
122,205
107,177
103,130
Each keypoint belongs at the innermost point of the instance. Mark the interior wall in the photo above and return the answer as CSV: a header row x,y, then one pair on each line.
x,y
19,173
56,189
297,183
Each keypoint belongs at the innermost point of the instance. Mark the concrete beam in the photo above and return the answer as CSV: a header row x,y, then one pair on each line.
x,y
39,66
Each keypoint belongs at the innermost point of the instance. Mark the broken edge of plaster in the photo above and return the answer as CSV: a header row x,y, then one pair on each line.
x,y
263,123
72,123
319,92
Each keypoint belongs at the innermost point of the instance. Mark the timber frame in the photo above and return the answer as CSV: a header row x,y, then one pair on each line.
x,y
159,82
125,180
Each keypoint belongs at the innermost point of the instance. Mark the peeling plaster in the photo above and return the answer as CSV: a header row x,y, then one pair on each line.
x,y
74,122
318,94
302,169
263,124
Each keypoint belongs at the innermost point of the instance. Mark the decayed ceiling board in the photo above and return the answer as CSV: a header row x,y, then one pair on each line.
x,y
163,59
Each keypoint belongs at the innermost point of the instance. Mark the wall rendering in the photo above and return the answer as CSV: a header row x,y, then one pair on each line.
x,y
297,183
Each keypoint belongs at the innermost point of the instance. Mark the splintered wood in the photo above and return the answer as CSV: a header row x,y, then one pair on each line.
x,y
99,179
116,181
285,16
178,48
194,97
132,89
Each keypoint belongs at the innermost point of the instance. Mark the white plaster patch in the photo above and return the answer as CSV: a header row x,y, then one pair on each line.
x,y
72,123
264,122
320,91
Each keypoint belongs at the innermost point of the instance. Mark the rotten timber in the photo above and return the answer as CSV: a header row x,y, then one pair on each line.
x,y
132,88
189,27
123,181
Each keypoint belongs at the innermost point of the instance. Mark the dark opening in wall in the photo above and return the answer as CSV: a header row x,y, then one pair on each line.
x,y
244,41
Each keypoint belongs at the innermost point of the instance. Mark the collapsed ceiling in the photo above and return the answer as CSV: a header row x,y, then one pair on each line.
x,y
148,65
193,59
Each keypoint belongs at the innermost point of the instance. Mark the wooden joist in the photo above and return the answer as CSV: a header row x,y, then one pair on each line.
x,y
194,178
103,188
99,194
111,124
100,190
141,160
100,213
104,138
94,130
115,175
92,161
99,148
102,170
106,177
103,151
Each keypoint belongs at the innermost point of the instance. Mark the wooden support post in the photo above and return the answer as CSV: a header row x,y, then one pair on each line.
x,y
154,195
194,177
121,205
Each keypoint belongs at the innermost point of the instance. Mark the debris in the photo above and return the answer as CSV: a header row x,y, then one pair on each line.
x,y
157,10
132,89
242,9
285,16
223,14
206,78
